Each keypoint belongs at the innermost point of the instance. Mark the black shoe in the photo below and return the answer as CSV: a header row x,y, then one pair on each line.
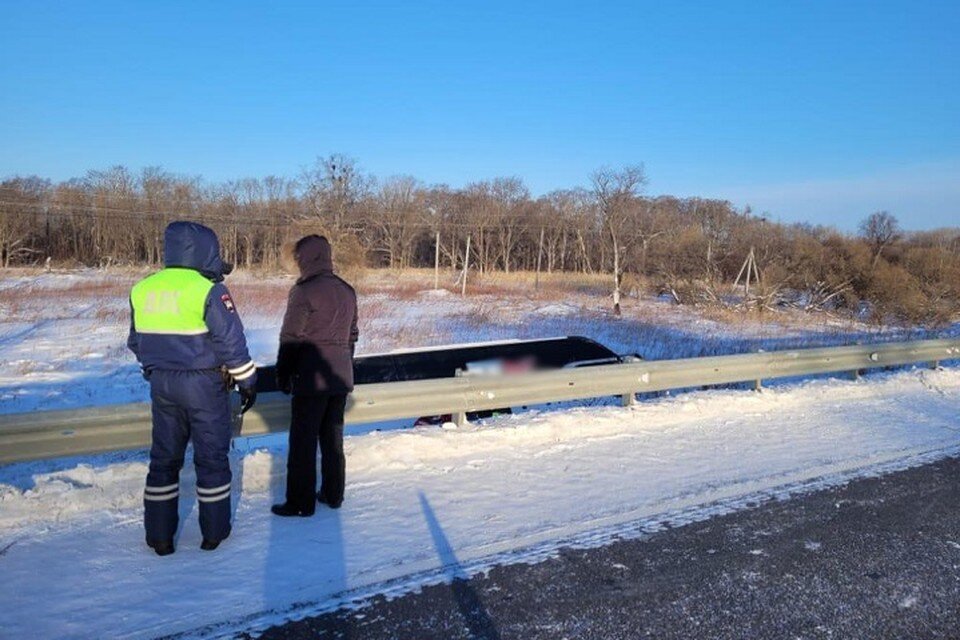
x,y
164,548
286,510
322,499
210,545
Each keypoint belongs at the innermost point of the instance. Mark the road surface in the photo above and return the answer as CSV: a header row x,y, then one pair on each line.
x,y
877,558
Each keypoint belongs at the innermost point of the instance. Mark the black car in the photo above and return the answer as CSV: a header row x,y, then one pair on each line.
x,y
481,358
504,357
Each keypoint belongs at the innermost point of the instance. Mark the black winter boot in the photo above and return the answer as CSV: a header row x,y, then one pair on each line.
x,y
322,499
286,510
210,545
163,548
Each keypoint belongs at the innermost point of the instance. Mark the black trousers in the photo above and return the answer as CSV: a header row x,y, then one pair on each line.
x,y
316,420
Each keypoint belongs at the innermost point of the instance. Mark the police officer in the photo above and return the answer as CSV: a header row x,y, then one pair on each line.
x,y
189,341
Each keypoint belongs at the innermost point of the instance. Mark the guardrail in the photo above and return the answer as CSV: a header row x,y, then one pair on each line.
x,y
52,434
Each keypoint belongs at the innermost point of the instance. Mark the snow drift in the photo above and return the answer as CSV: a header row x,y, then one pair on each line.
x,y
518,487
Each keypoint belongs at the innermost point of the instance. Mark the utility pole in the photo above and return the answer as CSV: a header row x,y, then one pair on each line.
x,y
539,260
616,280
751,269
436,264
466,268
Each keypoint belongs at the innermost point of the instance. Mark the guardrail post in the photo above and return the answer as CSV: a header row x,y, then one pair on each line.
x,y
935,364
758,383
855,374
628,399
459,418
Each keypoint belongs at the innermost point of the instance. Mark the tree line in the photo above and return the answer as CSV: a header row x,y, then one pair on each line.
x,y
691,249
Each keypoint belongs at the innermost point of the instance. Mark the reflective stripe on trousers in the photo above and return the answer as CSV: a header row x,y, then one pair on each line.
x,y
188,406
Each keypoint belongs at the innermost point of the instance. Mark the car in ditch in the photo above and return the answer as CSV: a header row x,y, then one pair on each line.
x,y
501,357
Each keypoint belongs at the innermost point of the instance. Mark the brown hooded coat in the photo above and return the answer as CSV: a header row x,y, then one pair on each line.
x,y
320,326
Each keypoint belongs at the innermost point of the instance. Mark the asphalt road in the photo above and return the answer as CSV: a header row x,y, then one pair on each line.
x,y
877,558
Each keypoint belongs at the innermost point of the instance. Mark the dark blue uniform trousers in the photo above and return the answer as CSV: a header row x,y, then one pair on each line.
x,y
188,405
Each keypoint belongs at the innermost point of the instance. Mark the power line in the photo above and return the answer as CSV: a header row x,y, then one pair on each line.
x,y
83,211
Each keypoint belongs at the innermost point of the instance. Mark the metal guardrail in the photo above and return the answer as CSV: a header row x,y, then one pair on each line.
x,y
52,434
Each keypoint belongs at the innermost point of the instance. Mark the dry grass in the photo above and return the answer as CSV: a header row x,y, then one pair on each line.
x,y
584,290
105,314
103,295
261,297
373,307
409,283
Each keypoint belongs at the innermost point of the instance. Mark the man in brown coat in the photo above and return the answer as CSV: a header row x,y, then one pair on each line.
x,y
315,364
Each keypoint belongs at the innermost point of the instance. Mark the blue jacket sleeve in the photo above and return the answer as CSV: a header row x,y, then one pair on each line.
x,y
226,334
133,340
354,329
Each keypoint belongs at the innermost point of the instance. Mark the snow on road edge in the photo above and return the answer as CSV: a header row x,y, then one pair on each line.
x,y
590,538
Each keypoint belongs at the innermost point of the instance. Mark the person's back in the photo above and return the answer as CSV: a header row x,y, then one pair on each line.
x,y
184,329
320,325
315,364
168,313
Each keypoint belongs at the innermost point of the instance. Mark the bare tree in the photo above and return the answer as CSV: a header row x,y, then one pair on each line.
x,y
480,209
572,225
509,197
880,230
443,218
716,219
334,186
399,218
690,245
22,207
616,192
650,225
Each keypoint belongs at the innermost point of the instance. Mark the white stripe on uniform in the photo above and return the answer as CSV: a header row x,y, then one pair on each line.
x,y
214,498
241,369
161,498
206,492
169,487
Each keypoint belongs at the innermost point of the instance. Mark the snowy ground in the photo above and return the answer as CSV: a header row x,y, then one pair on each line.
x,y
428,503
62,335
422,504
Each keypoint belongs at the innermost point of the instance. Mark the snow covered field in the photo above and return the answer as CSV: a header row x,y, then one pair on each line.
x,y
63,335
426,504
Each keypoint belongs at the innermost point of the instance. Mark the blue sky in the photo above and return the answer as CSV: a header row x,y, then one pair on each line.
x,y
813,111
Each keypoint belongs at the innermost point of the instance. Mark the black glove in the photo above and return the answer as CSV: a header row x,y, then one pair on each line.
x,y
248,398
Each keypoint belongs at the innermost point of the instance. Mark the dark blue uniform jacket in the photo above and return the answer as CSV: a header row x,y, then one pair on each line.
x,y
193,246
